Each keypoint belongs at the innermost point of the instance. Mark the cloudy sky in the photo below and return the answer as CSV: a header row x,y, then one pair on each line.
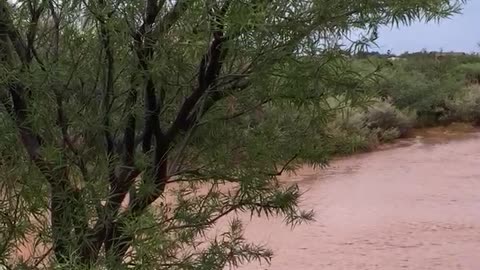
x,y
459,33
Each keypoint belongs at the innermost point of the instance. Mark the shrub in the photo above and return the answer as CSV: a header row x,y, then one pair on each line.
x,y
417,91
465,105
347,142
385,117
471,72
422,85
388,135
357,129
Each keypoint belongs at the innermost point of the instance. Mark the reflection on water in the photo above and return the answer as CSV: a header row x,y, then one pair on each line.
x,y
410,207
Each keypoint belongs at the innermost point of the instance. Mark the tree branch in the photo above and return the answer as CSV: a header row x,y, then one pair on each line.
x,y
35,13
119,181
7,28
108,87
105,230
171,17
209,70
206,223
284,166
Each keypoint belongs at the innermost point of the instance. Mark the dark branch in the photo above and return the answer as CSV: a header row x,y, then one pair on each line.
x,y
206,223
7,29
129,133
35,14
284,166
209,70
30,139
105,36
171,17
90,247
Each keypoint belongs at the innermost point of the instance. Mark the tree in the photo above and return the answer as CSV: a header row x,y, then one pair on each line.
x,y
193,106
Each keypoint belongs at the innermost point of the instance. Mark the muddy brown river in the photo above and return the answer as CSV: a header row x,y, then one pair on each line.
x,y
412,206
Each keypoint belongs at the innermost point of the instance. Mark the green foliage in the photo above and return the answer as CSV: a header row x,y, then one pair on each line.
x,y
465,106
190,109
439,87
471,72
384,116
421,87
426,82
364,129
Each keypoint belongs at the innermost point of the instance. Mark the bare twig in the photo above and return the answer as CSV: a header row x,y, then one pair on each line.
x,y
284,166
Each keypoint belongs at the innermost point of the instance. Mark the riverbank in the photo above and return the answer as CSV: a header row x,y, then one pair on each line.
x,y
432,135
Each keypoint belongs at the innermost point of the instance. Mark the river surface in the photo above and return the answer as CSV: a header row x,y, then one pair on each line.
x,y
412,206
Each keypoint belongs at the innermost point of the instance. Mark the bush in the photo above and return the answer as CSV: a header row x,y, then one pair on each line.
x,y
358,130
388,135
383,116
348,141
471,72
465,105
422,85
417,91
430,87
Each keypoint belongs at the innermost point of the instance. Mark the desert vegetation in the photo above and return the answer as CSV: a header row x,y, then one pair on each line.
x,y
411,91
129,128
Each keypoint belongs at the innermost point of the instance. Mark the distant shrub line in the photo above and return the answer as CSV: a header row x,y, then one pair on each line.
x,y
416,90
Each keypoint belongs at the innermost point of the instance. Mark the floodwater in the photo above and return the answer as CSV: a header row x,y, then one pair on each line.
x,y
415,205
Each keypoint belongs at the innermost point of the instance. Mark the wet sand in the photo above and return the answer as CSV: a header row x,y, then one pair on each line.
x,y
414,206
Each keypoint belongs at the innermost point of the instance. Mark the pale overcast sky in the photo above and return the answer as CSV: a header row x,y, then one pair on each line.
x,y
459,33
